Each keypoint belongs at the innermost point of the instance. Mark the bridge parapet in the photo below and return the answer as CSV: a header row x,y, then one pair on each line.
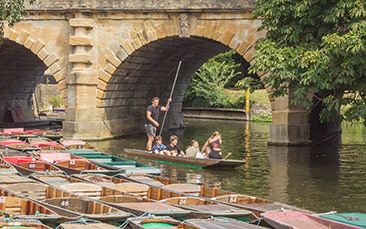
x,y
143,5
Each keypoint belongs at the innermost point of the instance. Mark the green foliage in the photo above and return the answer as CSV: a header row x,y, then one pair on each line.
x,y
317,47
56,101
261,118
208,84
12,12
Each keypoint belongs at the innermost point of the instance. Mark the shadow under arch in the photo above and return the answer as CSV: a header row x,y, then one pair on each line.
x,y
149,72
20,73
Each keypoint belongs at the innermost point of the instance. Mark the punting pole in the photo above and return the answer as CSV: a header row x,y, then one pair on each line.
x,y
171,94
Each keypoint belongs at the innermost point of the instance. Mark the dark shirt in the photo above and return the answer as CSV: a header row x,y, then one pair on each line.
x,y
215,144
171,148
155,111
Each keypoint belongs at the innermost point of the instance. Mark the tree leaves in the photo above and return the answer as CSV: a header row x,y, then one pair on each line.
x,y
317,46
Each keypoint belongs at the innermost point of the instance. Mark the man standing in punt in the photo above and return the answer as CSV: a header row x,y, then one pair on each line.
x,y
152,118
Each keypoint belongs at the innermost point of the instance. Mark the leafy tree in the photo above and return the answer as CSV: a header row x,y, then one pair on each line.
x,y
316,46
12,12
208,84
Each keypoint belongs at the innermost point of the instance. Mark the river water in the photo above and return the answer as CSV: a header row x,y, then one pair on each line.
x,y
328,177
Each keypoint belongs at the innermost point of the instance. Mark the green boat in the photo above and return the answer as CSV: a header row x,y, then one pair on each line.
x,y
114,162
356,219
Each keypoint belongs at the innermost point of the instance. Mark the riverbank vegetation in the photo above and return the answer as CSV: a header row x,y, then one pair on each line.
x,y
222,82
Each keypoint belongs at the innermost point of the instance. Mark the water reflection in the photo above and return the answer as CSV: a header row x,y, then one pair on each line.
x,y
329,176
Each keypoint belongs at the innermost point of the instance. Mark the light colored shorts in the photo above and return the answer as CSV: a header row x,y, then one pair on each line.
x,y
150,130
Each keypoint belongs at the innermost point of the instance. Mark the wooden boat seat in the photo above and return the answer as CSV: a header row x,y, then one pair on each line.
x,y
70,203
11,205
121,199
184,201
191,189
240,199
133,188
31,190
85,189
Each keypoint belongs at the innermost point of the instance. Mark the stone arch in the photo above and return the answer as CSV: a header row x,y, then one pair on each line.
x,y
124,59
27,52
43,42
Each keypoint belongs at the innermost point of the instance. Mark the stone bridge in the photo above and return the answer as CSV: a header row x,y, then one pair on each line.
x,y
110,57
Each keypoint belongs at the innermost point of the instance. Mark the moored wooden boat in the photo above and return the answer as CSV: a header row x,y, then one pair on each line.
x,y
17,144
357,219
202,207
12,206
50,135
112,162
187,161
28,165
65,203
77,144
73,164
293,219
254,204
45,143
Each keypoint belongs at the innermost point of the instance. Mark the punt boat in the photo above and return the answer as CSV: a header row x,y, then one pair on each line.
x,y
65,203
77,144
113,162
357,219
293,219
202,207
19,223
73,164
50,135
11,206
27,165
131,200
17,144
254,204
23,135
206,163
45,143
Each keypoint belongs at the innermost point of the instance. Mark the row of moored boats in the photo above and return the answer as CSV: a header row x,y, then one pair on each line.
x,y
55,183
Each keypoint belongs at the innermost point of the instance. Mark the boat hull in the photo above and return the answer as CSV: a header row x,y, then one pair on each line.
x,y
187,161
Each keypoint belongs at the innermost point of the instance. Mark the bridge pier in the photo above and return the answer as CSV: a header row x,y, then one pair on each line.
x,y
290,123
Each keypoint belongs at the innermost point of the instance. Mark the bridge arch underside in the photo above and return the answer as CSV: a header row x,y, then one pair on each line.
x,y
20,73
150,72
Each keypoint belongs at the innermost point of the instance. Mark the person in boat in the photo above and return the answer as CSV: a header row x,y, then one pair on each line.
x,y
192,149
203,155
215,144
173,147
159,147
152,118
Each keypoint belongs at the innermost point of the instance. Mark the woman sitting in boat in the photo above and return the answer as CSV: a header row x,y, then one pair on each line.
x,y
215,143
173,147
159,147
192,149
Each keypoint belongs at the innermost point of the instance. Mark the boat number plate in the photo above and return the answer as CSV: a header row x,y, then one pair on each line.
x,y
233,199
32,165
65,203
182,201
2,200
52,148
72,162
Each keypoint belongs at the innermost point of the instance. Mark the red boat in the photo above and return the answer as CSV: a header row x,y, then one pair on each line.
x,y
299,220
